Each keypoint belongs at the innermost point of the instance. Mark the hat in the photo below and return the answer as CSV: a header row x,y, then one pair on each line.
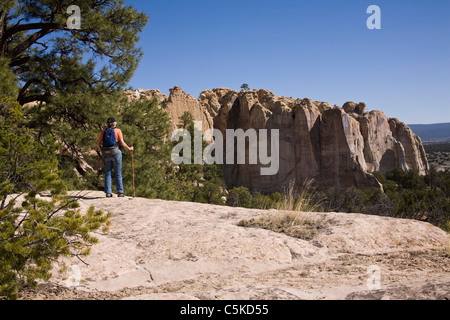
x,y
111,120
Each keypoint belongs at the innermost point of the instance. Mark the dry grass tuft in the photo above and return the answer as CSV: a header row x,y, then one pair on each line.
x,y
447,248
292,217
299,202
295,224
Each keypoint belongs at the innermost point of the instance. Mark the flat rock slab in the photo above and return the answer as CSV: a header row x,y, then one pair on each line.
x,y
179,250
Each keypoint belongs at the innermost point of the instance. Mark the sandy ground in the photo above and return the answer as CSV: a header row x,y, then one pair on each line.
x,y
161,250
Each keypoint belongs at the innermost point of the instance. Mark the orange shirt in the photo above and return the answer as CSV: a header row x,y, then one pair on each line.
x,y
118,133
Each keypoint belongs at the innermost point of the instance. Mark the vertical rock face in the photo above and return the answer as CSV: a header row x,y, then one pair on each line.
x,y
336,146
414,152
180,102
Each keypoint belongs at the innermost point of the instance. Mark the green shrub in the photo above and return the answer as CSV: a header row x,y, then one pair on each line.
x,y
35,233
406,195
239,197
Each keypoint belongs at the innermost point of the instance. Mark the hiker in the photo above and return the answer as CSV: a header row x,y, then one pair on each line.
x,y
108,143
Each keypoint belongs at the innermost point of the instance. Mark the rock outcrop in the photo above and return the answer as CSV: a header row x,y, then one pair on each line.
x,y
336,146
181,250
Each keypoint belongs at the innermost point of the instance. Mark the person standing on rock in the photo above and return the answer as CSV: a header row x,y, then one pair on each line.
x,y
108,142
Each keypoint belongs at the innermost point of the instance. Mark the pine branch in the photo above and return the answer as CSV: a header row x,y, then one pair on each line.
x,y
19,61
29,42
32,98
30,26
59,209
27,85
78,257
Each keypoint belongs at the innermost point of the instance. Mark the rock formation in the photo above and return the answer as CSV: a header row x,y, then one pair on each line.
x,y
183,250
177,103
336,146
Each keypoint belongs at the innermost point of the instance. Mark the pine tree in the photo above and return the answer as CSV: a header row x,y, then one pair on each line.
x,y
72,77
146,126
35,232
245,86
8,82
197,182
47,55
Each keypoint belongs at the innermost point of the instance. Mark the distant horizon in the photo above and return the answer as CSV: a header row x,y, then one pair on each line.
x,y
427,124
369,109
323,50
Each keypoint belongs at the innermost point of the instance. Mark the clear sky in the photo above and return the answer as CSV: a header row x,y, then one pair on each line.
x,y
319,49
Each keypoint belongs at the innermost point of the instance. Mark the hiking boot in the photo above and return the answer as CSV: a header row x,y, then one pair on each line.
x,y
109,195
120,195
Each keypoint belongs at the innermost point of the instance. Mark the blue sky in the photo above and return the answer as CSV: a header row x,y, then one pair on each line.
x,y
319,49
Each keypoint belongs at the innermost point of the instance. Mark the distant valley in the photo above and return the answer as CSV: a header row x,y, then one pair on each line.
x,y
438,132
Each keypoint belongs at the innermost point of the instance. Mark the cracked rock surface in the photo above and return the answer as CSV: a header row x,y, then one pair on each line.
x,y
178,250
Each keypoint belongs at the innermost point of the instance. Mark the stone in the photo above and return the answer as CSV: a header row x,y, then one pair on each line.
x,y
180,102
159,249
335,146
415,156
351,106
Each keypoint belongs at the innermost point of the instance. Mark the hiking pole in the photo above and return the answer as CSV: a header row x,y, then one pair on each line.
x,y
100,163
132,170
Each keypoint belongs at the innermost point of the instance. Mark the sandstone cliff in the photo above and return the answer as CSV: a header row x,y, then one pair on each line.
x,y
337,146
